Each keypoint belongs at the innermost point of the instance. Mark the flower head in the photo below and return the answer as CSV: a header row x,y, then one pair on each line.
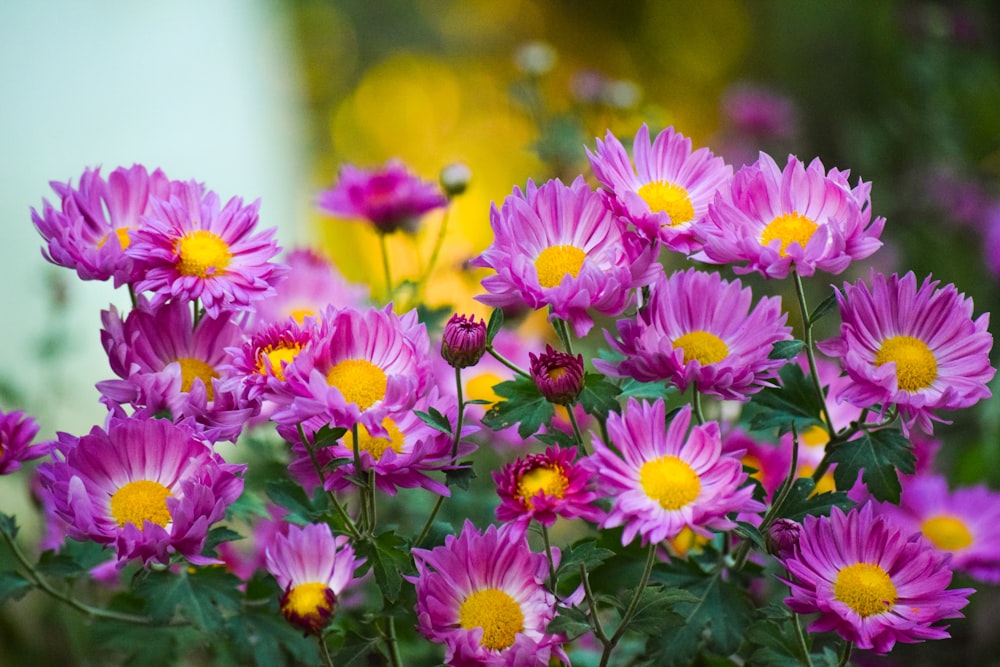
x,y
669,188
463,342
771,219
915,347
483,595
544,486
558,376
557,246
700,329
16,433
312,567
667,478
872,583
389,198
149,487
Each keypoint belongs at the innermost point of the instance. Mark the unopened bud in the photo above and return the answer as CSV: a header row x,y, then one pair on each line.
x,y
782,537
455,178
463,341
558,376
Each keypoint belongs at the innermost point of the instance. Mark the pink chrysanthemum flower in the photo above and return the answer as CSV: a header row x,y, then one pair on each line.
x,y
558,246
149,487
870,582
771,219
189,248
16,433
363,366
313,568
699,329
666,478
165,363
544,486
667,191
266,353
389,198
483,595
311,284
915,347
964,523
98,219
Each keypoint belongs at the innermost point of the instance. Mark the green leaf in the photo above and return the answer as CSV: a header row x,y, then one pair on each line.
x,y
389,557
494,325
217,536
460,476
8,525
586,552
355,651
523,406
571,622
328,436
599,397
825,306
776,644
794,402
13,586
435,420
293,498
200,597
74,559
557,438
786,349
654,612
801,502
879,454
750,532
632,388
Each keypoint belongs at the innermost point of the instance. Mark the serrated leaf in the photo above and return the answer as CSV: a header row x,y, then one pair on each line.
x,y
786,349
632,388
571,622
292,497
802,502
74,559
750,532
599,397
654,612
794,402
879,454
435,420
524,406
557,438
199,597
216,536
389,557
460,476
494,325
13,586
824,307
586,552
8,525
355,651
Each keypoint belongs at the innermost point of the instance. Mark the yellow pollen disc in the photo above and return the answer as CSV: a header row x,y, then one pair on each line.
x,y
865,588
670,481
496,613
360,381
947,532
203,254
916,367
192,368
480,388
669,198
549,479
789,228
377,446
300,314
123,238
141,501
277,355
555,262
814,436
702,346
306,599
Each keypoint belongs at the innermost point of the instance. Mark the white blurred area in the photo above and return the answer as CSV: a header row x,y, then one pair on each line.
x,y
202,89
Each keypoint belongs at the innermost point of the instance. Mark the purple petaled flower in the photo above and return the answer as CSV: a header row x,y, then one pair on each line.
x,y
389,198
870,582
266,354
759,111
483,595
16,433
188,248
544,486
666,478
313,568
964,523
770,220
667,191
463,342
700,329
558,376
558,247
149,487
915,347
165,363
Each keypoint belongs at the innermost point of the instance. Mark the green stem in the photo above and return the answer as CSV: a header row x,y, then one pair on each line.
x,y
196,305
324,651
633,605
563,332
391,643
845,654
435,252
509,364
810,353
430,520
548,554
699,415
577,433
595,619
801,638
348,521
385,267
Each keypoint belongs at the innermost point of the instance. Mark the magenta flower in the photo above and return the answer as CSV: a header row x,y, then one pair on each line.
x,y
98,220
915,347
189,248
389,198
699,329
667,191
544,486
16,433
666,478
463,342
558,247
872,583
313,568
558,376
758,111
770,219
483,595
165,363
149,487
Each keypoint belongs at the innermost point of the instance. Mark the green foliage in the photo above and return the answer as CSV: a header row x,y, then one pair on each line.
x,y
523,405
794,403
879,454
389,557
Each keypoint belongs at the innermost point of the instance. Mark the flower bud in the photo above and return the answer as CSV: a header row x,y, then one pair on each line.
x,y
464,341
455,178
558,376
782,537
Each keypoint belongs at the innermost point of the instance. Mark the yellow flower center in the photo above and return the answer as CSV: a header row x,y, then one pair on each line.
x,y
360,381
547,478
702,346
669,198
192,368
377,446
123,238
202,253
141,501
306,600
947,532
555,262
480,388
789,228
496,613
865,588
670,481
916,367
283,353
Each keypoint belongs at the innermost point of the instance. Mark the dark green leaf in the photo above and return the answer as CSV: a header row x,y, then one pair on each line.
x,y
632,388
494,325
200,597
328,436
435,420
776,644
801,502
433,318
557,438
13,586
389,557
8,525
879,454
571,622
750,532
292,497
586,552
786,349
74,559
461,476
794,402
523,406
355,651
654,613
217,536
599,397
825,306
